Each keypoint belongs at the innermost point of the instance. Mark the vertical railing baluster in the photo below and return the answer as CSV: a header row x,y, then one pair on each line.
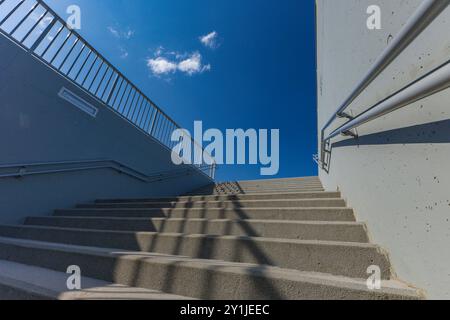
x,y
89,71
148,117
139,109
151,119
52,41
83,65
96,75
112,91
68,54
142,113
107,83
11,12
131,103
102,79
128,98
43,34
76,60
123,94
24,18
153,125
38,21
60,48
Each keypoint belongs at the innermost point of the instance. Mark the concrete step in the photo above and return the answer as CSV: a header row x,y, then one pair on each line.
x,y
287,214
258,187
239,197
279,203
26,282
337,258
272,185
294,179
202,279
302,230
253,191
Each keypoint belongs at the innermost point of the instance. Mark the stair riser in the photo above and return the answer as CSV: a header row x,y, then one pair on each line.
x,y
267,189
319,214
226,204
189,279
318,195
325,232
345,260
262,192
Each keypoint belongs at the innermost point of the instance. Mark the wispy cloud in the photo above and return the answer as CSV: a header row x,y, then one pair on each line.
x,y
123,53
164,63
121,34
210,40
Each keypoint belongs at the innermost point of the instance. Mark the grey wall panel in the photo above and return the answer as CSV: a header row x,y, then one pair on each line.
x,y
36,125
397,174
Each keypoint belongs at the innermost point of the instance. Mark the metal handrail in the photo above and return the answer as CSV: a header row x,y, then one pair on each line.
x,y
435,81
65,51
44,168
419,21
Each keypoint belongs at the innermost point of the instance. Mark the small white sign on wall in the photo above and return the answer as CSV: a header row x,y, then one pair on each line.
x,y
78,102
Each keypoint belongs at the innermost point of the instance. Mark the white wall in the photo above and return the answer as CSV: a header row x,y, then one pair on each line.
x,y
397,174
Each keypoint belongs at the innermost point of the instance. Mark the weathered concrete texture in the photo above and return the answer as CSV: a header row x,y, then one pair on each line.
x,y
396,174
301,214
237,246
308,203
304,230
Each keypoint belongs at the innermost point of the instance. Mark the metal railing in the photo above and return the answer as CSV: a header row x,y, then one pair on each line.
x,y
34,26
433,82
45,168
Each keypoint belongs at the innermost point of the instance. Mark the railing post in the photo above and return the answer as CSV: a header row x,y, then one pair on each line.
x,y
43,34
112,90
152,126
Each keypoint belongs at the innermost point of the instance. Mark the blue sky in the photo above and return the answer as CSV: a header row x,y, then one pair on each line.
x,y
258,73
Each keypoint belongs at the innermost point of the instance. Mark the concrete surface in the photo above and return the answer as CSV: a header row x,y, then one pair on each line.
x,y
396,175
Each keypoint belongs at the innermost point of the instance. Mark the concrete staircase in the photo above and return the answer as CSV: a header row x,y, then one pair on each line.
x,y
275,239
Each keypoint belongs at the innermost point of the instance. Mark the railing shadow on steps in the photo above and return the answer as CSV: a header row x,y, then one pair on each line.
x,y
206,248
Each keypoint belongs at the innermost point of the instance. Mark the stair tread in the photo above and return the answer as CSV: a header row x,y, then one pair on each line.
x,y
36,282
173,234
306,255
293,229
287,214
389,287
227,201
243,196
269,221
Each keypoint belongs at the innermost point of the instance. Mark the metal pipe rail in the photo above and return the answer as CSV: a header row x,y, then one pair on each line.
x,y
419,21
45,168
435,81
34,26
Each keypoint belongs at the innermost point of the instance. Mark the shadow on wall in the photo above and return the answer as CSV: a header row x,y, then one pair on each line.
x,y
434,132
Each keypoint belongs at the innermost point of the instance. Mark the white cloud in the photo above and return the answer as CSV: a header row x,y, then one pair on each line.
x,y
161,66
120,34
189,64
210,40
123,53
193,65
